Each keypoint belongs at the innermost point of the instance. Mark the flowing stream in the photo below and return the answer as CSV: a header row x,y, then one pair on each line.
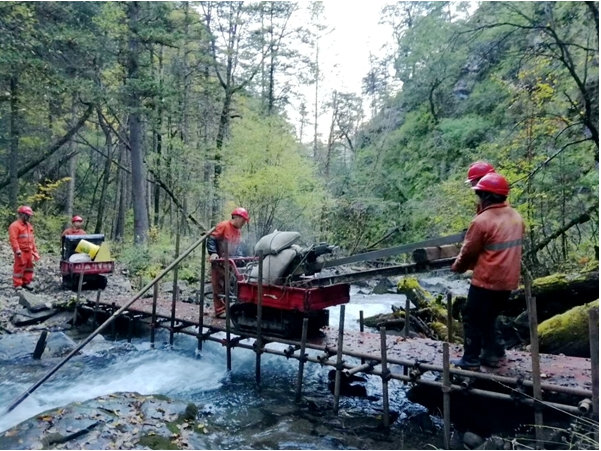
x,y
232,400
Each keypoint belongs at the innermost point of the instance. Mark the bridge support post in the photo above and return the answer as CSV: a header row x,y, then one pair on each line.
x,y
153,318
339,360
450,317
406,330
175,296
114,322
534,353
593,327
446,394
201,293
361,329
79,287
259,340
385,378
226,284
130,327
96,305
302,358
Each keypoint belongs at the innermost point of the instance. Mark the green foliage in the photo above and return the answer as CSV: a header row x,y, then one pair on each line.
x,y
266,174
482,86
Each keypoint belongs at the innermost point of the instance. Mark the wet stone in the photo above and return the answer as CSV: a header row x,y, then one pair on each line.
x,y
471,440
384,286
34,302
26,318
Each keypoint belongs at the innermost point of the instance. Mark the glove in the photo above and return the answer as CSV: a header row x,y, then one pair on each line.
x,y
36,256
18,253
213,257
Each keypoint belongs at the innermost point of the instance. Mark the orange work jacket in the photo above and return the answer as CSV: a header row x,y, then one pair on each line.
x,y
493,248
225,231
74,231
21,237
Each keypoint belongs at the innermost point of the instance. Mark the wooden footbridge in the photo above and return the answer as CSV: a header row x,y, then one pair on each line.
x,y
561,374
568,384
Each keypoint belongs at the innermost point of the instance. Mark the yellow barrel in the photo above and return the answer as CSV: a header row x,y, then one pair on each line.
x,y
85,247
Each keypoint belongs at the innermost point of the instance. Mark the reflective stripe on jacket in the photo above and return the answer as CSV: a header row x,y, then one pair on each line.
x,y
20,235
224,231
493,248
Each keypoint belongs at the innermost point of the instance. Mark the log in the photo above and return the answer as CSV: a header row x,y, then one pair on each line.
x,y
428,254
567,333
557,293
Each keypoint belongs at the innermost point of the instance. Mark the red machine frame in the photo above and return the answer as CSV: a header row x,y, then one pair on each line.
x,y
284,297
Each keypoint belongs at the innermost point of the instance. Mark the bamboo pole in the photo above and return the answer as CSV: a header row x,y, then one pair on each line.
x,y
339,360
259,340
536,379
153,318
175,294
302,359
226,262
593,328
385,377
108,322
201,290
446,395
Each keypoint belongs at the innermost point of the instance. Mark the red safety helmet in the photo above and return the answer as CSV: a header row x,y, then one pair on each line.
x,y
25,210
493,183
478,170
76,219
239,211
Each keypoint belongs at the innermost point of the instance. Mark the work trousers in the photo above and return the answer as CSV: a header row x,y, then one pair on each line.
x,y
482,337
218,284
23,269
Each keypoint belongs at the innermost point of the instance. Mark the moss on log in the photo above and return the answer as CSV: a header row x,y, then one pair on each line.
x,y
557,293
567,333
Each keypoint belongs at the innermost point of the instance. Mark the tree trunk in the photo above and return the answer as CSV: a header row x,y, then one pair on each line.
x,y
107,174
135,131
119,229
13,160
223,124
315,155
72,171
557,293
159,143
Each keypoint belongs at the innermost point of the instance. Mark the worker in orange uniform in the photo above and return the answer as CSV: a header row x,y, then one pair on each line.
x,y
22,241
225,232
75,229
493,249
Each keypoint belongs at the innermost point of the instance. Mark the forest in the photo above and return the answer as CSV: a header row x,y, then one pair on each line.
x,y
153,118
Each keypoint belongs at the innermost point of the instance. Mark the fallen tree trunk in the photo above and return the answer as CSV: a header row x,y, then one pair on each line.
x,y
557,293
567,333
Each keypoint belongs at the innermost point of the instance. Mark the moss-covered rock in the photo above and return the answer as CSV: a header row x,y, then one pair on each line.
x,y
567,333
